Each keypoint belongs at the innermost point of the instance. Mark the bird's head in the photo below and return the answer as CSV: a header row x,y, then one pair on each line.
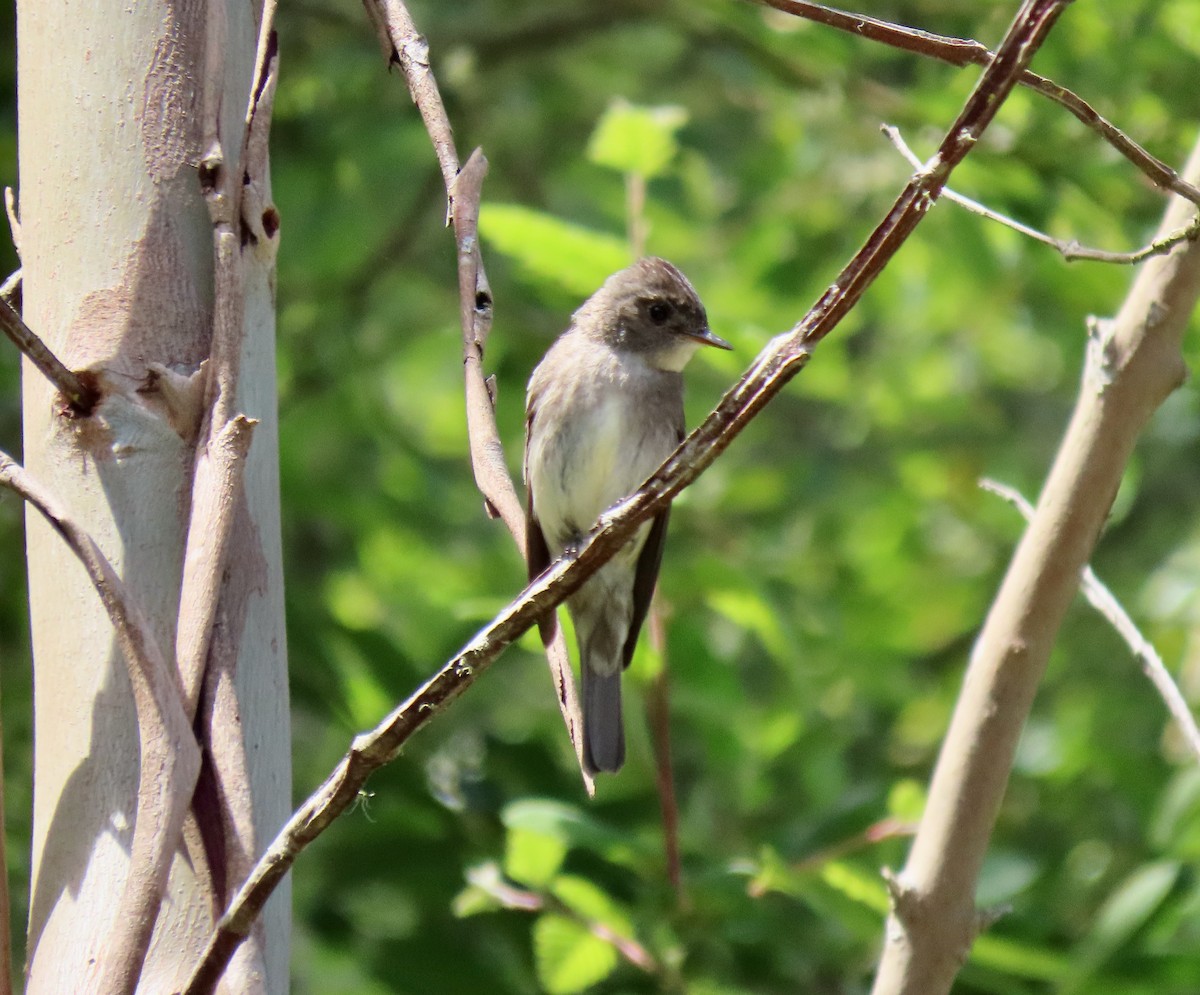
x,y
651,309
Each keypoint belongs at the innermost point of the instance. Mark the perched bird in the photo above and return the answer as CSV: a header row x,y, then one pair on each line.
x,y
603,410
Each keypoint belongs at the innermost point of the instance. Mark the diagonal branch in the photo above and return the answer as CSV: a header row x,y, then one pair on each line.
x,y
464,187
81,395
170,758
965,52
782,358
1070,251
1133,363
1105,602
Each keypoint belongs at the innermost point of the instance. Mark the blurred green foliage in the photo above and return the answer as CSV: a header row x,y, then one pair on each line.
x,y
824,581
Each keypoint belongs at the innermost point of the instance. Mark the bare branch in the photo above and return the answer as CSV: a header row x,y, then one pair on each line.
x,y
489,880
782,358
241,214
216,484
658,716
258,215
170,757
1101,598
81,394
10,289
1133,363
14,223
475,304
1072,250
224,436
405,46
888,828
964,52
463,191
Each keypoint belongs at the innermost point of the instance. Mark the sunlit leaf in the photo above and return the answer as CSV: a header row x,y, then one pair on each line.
x,y
568,957
532,858
551,251
634,139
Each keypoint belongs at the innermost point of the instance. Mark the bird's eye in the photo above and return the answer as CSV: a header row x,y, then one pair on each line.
x,y
660,311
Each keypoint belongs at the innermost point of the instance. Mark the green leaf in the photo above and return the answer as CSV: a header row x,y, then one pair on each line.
x,y
748,609
906,799
533,858
568,957
855,884
565,822
1023,960
1005,875
591,902
633,139
551,251
1131,905
481,893
1134,902
473,901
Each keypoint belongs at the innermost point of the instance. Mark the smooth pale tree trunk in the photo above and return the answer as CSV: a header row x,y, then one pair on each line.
x,y
117,252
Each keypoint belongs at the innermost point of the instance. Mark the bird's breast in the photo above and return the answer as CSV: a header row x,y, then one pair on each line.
x,y
587,455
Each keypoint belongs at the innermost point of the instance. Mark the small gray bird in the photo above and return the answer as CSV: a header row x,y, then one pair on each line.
x,y
604,409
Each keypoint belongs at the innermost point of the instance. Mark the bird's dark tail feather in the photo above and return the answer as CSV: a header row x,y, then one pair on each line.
x,y
603,726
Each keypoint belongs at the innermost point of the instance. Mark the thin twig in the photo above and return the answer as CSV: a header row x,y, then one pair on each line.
x,y
405,47
1105,602
170,757
888,828
782,358
965,52
14,223
10,289
635,212
489,880
80,394
658,715
1071,250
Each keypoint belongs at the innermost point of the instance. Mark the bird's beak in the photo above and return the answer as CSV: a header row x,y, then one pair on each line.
x,y
705,335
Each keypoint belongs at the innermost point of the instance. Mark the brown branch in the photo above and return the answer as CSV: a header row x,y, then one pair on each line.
x,y
658,716
1133,363
78,391
10,289
964,52
1070,251
782,358
489,880
475,305
170,758
463,190
406,47
1101,598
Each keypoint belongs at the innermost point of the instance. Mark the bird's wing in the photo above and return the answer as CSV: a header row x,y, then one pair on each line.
x,y
537,552
649,561
644,580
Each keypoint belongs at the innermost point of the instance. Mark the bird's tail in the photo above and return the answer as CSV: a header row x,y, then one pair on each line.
x,y
603,726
